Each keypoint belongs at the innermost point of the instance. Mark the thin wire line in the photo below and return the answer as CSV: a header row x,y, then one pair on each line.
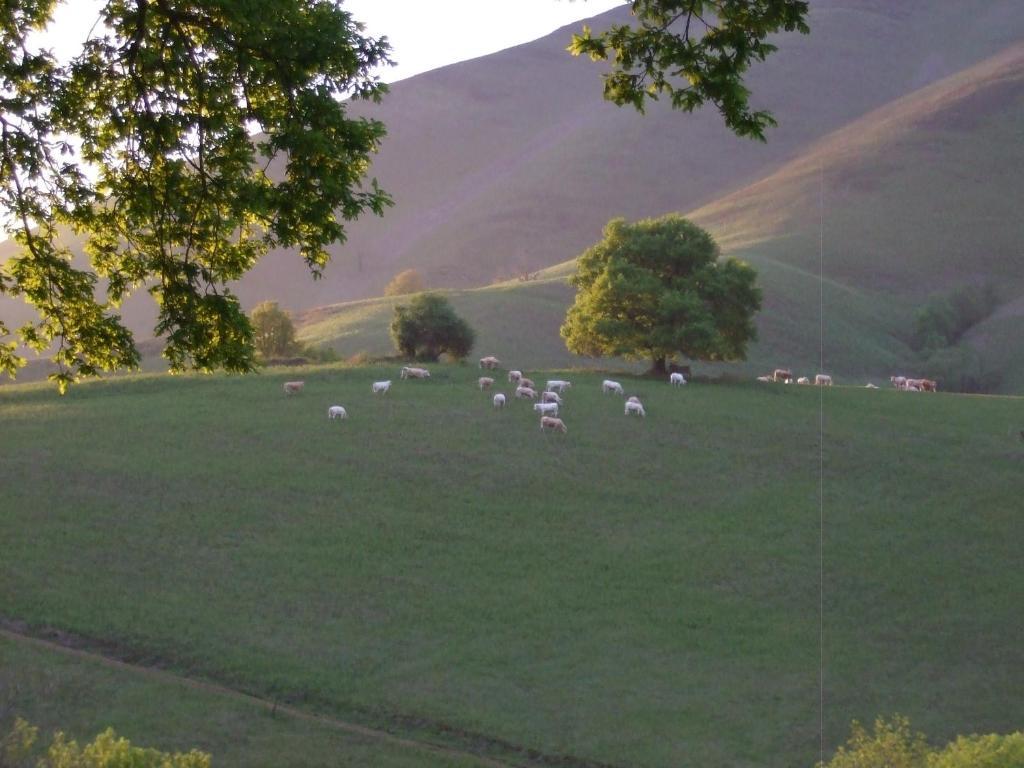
x,y
821,466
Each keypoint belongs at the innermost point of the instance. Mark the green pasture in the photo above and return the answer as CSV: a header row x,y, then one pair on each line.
x,y
639,592
83,697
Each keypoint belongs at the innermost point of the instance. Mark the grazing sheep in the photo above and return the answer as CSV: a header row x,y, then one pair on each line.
x,y
803,380
499,400
611,386
546,409
524,393
415,373
823,380
485,382
900,382
337,412
292,387
549,422
557,385
635,406
912,385
514,376
632,399
869,385
550,397
490,362
676,379
380,387
765,379
782,374
525,382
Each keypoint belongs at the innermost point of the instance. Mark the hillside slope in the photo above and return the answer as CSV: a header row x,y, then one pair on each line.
x,y
637,592
513,161
917,198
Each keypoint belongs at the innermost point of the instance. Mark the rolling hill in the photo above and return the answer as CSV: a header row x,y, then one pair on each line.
x,y
637,592
916,198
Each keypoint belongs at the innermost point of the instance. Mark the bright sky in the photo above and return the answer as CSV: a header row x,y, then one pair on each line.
x,y
423,35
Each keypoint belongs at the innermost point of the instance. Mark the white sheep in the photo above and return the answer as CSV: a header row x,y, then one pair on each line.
x,y
524,393
803,380
546,409
557,385
490,362
409,372
337,412
632,399
525,382
823,380
514,376
380,387
635,407
549,422
485,382
293,387
765,379
550,397
676,379
499,400
612,386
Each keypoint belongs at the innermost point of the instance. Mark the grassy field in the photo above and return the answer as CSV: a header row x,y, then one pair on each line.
x,y
637,592
83,697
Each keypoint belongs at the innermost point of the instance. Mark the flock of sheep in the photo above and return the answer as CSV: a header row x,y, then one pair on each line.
x,y
549,399
785,376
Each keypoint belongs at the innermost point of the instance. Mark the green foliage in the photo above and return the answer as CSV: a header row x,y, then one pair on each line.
x,y
943,321
16,746
408,281
989,751
693,51
939,328
178,110
428,326
105,751
656,288
891,745
273,330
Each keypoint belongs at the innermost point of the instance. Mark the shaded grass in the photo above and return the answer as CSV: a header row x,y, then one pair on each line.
x,y
641,592
82,697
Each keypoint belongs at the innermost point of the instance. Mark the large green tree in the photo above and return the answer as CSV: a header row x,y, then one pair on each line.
x,y
657,288
155,143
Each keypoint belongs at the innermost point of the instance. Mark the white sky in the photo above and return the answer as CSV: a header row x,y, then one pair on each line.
x,y
423,34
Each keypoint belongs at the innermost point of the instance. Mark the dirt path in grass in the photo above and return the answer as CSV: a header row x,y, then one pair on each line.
x,y
66,645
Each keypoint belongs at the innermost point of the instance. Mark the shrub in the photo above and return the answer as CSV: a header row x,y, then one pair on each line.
x,y
891,745
105,751
429,326
273,331
990,751
409,281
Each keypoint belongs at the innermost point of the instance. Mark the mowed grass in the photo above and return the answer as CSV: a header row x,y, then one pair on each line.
x,y
637,592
